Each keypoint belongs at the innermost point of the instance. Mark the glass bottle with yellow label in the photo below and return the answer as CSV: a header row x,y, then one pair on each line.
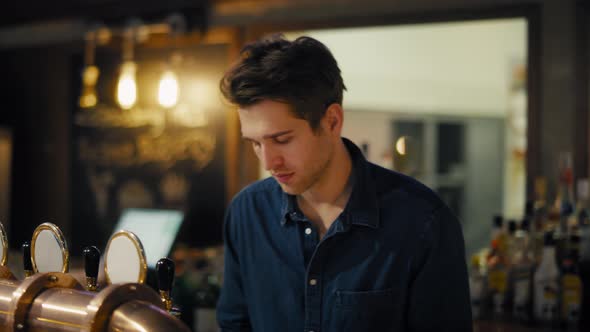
x,y
497,279
521,274
571,285
477,285
499,235
540,217
546,284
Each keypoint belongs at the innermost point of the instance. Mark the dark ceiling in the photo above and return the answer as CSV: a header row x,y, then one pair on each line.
x,y
22,12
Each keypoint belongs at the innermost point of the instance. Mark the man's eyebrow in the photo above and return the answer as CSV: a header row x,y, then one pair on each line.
x,y
275,135
268,136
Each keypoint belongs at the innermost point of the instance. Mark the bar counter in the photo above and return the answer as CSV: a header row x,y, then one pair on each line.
x,y
495,326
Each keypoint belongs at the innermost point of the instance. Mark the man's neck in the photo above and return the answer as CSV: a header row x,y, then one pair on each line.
x,y
326,200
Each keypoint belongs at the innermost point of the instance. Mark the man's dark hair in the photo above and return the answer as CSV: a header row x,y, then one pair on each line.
x,y
302,73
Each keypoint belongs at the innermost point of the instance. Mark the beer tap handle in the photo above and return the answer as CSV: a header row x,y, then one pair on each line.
x,y
91,262
165,275
28,264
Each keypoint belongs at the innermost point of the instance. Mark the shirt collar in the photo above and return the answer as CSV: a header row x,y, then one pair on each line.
x,y
289,208
362,207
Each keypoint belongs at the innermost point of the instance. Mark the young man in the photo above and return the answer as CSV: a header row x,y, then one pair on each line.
x,y
330,242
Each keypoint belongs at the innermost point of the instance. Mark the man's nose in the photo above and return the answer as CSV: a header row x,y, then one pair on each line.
x,y
270,158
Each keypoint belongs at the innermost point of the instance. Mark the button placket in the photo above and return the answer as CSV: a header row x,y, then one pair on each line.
x,y
313,302
309,239
313,288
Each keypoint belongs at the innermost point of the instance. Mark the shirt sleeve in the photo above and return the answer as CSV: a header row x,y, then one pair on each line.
x,y
439,294
232,310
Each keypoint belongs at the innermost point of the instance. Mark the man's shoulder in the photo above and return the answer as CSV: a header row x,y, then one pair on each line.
x,y
406,202
392,185
261,189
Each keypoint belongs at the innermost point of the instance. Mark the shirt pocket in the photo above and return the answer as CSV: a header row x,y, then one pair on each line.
x,y
367,311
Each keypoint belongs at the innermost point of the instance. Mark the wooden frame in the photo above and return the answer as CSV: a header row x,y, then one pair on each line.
x,y
582,133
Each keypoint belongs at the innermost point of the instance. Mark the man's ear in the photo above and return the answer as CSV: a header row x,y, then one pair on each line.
x,y
334,118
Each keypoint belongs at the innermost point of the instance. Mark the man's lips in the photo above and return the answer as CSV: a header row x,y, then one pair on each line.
x,y
283,177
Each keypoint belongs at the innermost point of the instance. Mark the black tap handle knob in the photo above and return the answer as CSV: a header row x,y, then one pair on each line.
x,y
91,261
28,264
165,273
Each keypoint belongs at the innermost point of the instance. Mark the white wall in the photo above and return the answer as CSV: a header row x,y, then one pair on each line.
x,y
356,125
451,68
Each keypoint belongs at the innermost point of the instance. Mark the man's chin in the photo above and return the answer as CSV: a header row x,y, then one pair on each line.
x,y
289,189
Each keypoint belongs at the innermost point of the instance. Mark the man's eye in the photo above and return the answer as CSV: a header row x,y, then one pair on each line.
x,y
283,140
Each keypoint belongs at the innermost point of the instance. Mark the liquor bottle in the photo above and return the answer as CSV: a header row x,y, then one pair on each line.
x,y
540,218
477,285
584,268
564,204
529,226
497,280
582,204
546,285
511,240
521,274
565,193
185,282
509,255
540,203
529,211
499,235
571,285
207,295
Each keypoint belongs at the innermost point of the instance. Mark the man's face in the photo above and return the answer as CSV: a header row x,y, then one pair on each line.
x,y
287,147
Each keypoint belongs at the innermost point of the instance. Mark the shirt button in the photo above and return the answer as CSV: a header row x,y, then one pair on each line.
x,y
308,231
313,282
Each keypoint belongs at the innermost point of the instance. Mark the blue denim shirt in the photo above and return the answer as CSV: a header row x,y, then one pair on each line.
x,y
394,260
